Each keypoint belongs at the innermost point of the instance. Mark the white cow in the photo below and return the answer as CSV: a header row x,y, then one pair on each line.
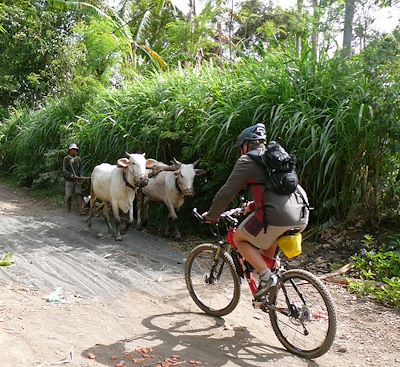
x,y
171,188
117,185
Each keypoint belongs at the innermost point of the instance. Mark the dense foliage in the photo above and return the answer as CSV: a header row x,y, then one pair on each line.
x,y
34,53
147,77
379,269
324,113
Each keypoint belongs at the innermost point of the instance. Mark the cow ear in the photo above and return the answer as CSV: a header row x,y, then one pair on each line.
x,y
122,162
150,163
199,172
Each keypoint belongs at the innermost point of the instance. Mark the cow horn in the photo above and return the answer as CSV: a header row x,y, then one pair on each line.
x,y
176,162
127,154
195,163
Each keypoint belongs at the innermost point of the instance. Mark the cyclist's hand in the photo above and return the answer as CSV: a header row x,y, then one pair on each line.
x,y
207,219
247,207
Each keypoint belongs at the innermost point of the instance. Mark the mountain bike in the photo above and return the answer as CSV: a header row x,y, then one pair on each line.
x,y
301,310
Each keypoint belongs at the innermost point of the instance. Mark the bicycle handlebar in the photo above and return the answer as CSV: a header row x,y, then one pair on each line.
x,y
230,215
197,215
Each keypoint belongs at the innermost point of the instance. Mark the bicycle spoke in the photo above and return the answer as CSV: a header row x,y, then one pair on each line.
x,y
211,280
302,315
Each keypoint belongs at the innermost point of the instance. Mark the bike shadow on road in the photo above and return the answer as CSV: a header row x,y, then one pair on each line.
x,y
195,337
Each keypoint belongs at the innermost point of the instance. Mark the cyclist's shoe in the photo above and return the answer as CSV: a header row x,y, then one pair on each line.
x,y
266,283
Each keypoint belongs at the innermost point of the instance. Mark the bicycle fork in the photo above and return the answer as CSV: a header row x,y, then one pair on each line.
x,y
216,268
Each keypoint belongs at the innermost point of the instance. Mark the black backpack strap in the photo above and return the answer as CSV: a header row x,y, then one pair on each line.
x,y
256,158
305,204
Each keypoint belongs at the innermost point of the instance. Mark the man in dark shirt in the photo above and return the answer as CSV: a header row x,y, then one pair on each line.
x,y
280,212
72,171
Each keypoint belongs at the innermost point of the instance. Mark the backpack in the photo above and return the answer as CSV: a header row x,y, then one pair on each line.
x,y
280,168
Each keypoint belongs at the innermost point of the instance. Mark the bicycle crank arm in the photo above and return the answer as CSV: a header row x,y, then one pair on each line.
x,y
265,305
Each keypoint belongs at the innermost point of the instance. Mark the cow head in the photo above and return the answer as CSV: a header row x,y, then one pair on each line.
x,y
135,165
185,176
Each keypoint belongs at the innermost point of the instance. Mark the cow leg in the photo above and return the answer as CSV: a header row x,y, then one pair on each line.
x,y
173,218
139,207
106,216
117,219
177,233
93,198
128,224
146,204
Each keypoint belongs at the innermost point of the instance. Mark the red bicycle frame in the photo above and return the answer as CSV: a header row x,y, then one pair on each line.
x,y
248,275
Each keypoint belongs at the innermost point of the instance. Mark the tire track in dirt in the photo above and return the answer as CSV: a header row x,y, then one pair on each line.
x,y
53,249
132,293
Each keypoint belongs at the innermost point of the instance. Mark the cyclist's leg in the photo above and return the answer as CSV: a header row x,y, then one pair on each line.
x,y
250,238
245,239
249,252
252,241
270,252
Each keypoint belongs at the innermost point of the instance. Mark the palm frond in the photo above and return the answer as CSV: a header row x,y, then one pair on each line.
x,y
154,56
81,6
138,36
159,7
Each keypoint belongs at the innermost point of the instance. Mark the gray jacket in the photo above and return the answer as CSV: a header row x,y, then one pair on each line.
x,y
279,210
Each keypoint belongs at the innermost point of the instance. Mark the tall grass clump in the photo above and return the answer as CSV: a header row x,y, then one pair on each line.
x,y
34,142
323,112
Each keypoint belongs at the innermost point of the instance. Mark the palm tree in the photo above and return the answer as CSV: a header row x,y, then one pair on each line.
x,y
122,29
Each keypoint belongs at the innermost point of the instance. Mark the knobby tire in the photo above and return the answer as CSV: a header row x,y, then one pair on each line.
x,y
227,261
280,327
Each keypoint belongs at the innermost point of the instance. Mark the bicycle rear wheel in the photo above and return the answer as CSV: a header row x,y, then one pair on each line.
x,y
212,280
304,315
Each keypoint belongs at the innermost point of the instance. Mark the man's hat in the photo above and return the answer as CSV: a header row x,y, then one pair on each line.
x,y
73,146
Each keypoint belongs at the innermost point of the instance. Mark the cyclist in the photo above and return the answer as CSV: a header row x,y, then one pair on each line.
x,y
272,214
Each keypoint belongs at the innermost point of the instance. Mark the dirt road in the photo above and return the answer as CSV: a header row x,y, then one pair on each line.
x,y
116,297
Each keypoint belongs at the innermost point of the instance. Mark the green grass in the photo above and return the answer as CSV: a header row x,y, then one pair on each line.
x,y
378,268
323,113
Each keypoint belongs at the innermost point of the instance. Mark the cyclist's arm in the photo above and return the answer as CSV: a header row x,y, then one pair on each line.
x,y
237,179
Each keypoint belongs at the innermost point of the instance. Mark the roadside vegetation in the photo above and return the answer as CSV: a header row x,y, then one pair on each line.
x,y
378,267
147,78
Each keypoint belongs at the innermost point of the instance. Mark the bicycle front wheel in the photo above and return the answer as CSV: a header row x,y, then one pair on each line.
x,y
212,280
303,314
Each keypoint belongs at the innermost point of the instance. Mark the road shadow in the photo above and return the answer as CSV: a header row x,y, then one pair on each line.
x,y
56,249
195,337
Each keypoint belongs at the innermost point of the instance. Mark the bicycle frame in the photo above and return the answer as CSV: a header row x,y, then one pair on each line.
x,y
244,265
292,313
244,269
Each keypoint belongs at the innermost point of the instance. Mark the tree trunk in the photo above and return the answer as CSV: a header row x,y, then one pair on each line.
x,y
314,34
192,6
298,35
348,27
230,31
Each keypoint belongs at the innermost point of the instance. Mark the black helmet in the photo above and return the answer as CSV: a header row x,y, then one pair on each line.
x,y
252,133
